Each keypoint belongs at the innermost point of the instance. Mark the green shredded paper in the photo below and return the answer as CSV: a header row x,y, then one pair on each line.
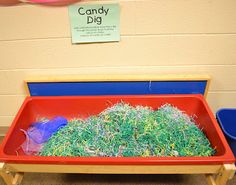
x,y
124,130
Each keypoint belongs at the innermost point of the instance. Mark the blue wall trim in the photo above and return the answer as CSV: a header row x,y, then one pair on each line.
x,y
116,88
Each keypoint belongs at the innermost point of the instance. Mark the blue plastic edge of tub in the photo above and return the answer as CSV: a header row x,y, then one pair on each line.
x,y
220,122
116,88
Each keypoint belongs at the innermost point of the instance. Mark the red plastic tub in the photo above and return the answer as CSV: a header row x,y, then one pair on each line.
x,y
84,106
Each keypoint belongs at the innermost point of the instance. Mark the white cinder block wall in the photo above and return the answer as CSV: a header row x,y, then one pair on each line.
x,y
158,37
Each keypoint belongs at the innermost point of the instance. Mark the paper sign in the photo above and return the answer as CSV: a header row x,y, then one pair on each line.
x,y
95,23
